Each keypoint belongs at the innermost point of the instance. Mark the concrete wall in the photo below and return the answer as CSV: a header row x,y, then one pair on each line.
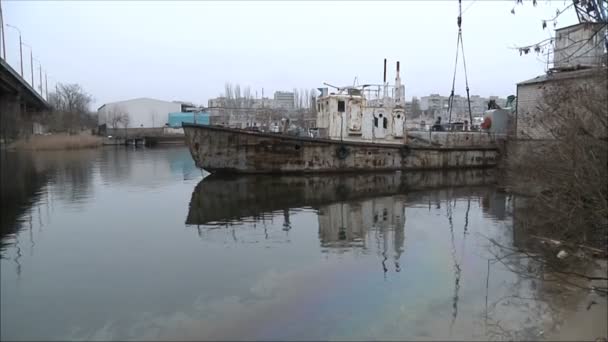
x,y
134,132
529,119
142,112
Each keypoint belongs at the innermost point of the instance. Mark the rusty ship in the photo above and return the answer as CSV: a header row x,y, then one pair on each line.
x,y
360,128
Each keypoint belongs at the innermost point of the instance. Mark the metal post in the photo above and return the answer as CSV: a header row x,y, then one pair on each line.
x,y
40,70
32,66
21,53
20,46
46,85
2,27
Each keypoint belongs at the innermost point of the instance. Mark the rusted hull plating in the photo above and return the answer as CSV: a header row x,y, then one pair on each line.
x,y
225,150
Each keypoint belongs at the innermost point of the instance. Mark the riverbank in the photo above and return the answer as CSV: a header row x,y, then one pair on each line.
x,y
57,142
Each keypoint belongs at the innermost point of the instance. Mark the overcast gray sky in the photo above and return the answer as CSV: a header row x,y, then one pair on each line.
x,y
189,50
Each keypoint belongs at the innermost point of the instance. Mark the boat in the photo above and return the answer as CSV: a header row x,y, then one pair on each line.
x,y
360,128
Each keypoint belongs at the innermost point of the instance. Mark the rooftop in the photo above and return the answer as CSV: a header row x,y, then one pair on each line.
x,y
562,75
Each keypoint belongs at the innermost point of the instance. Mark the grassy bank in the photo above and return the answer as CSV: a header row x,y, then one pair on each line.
x,y
57,142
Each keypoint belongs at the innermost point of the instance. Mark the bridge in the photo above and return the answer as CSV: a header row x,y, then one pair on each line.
x,y
19,104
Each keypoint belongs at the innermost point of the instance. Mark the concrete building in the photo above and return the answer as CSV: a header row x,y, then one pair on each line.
x,y
189,107
216,102
284,99
136,113
247,112
579,70
533,122
580,45
437,105
433,102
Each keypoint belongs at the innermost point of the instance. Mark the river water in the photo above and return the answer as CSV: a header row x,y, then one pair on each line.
x,y
124,243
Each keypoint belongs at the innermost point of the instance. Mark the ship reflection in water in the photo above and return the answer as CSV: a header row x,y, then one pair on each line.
x,y
93,246
415,225
361,213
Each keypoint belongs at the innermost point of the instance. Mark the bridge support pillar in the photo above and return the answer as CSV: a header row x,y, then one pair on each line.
x,y
11,118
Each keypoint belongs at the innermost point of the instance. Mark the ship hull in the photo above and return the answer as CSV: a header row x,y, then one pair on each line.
x,y
226,150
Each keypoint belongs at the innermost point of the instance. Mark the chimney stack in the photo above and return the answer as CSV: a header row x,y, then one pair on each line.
x,y
385,70
398,94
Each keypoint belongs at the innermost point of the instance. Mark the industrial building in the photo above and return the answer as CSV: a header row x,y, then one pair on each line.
x,y
137,113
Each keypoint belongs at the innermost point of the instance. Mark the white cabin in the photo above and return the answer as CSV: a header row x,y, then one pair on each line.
x,y
363,113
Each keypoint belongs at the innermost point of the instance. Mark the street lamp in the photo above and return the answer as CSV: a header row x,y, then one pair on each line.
x,y
39,69
31,63
53,81
2,37
20,51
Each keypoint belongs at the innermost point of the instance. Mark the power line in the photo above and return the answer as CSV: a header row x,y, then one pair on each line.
x,y
470,5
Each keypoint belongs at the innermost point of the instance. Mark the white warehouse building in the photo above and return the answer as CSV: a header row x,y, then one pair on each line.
x,y
141,112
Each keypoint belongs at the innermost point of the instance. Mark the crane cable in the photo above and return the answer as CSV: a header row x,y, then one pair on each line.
x,y
459,44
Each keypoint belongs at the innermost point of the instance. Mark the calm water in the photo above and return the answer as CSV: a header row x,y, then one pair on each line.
x,y
121,243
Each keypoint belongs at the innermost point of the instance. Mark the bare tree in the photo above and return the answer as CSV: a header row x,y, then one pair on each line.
x,y
567,177
415,108
295,98
313,101
592,12
304,99
125,120
70,105
117,117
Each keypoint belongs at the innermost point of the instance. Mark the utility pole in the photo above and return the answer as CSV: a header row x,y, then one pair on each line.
x,y
40,69
40,72
20,47
46,85
32,65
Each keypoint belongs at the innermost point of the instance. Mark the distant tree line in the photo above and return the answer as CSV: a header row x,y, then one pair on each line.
x,y
236,96
305,99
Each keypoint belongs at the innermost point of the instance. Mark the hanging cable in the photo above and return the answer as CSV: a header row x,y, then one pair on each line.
x,y
459,46
451,98
466,81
